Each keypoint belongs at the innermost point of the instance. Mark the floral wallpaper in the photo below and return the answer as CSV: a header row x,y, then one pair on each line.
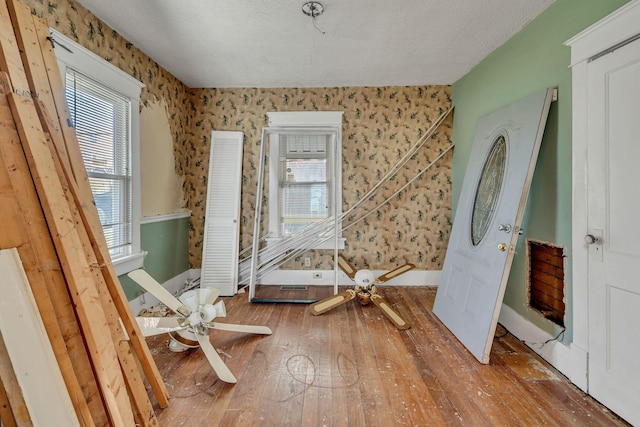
x,y
379,125
77,23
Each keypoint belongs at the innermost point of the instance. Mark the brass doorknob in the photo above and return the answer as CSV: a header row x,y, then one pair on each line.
x,y
502,247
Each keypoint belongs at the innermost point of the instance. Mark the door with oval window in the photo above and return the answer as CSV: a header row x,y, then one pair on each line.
x,y
487,221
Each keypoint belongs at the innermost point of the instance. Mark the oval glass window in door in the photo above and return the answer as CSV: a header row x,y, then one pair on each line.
x,y
488,191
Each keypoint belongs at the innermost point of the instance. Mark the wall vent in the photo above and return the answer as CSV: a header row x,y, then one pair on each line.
x,y
294,288
546,280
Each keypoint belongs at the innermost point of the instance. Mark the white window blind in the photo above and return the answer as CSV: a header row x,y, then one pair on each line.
x,y
304,183
101,118
104,102
305,172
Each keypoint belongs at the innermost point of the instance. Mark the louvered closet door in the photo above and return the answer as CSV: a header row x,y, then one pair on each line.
x,y
221,227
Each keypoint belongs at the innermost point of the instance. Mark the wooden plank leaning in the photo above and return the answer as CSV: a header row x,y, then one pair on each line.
x,y
6,414
19,414
53,197
23,226
53,97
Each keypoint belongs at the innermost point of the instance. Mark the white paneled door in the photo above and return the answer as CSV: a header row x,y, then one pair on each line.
x,y
222,215
487,222
613,234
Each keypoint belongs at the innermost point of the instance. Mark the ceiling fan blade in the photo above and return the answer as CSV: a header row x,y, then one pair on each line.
x,y
332,302
395,273
159,325
214,359
346,266
249,329
149,284
390,313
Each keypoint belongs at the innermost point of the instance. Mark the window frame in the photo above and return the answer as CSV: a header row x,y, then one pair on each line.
x,y
70,54
329,122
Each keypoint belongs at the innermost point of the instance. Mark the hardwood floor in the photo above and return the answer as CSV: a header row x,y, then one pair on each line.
x,y
351,367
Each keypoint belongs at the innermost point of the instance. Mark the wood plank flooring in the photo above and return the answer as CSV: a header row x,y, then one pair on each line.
x,y
351,367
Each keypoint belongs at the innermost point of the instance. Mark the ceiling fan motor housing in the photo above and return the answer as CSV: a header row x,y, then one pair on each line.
x,y
182,340
365,287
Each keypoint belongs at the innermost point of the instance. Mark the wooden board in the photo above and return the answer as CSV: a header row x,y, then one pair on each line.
x,y
14,410
28,347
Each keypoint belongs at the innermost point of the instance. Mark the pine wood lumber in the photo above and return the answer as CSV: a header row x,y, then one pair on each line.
x,y
11,388
6,416
33,62
52,96
23,226
10,60
53,197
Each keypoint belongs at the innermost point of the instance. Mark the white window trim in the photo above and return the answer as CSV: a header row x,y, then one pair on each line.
x,y
71,54
331,121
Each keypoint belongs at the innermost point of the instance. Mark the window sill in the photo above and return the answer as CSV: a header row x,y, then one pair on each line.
x,y
125,264
328,244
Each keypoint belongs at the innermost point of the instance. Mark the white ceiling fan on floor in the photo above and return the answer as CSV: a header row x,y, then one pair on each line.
x,y
365,290
195,311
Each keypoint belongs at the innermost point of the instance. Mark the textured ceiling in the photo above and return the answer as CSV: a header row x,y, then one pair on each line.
x,y
271,43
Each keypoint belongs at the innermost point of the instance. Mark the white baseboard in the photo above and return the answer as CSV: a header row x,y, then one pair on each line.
x,y
173,285
580,367
306,277
554,352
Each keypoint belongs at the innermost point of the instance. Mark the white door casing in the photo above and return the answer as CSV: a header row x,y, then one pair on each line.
x,y
476,269
221,226
605,131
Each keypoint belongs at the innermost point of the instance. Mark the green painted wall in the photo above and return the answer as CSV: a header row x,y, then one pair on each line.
x,y
533,59
167,244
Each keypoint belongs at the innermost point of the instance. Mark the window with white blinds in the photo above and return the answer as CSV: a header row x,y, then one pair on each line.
x,y
305,171
104,104
101,118
304,181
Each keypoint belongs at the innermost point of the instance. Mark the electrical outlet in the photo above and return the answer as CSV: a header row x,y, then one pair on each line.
x,y
317,275
307,261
